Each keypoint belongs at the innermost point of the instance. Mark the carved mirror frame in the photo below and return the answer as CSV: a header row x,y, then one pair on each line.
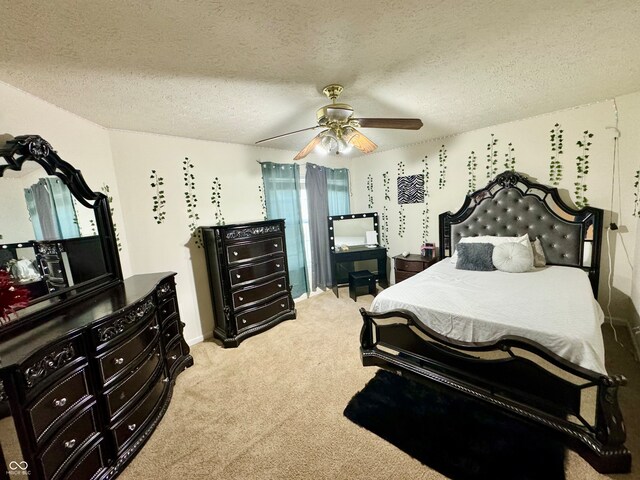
x,y
15,152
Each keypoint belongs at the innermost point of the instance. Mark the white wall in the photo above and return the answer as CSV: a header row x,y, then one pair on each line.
x,y
168,246
629,107
530,139
80,142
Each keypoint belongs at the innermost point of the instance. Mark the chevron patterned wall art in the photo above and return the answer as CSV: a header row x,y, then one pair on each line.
x,y
411,189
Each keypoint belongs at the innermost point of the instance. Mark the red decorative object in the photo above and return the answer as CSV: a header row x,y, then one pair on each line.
x,y
12,297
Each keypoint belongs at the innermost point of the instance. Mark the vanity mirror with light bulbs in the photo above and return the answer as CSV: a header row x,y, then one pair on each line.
x,y
354,244
88,360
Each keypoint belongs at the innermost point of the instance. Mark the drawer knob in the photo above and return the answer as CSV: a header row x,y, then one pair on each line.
x,y
164,311
70,443
282,305
244,320
165,380
277,265
167,334
154,327
237,275
132,426
275,245
118,361
60,402
279,285
173,357
240,298
235,254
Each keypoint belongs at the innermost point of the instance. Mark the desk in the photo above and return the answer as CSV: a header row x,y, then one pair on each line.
x,y
342,264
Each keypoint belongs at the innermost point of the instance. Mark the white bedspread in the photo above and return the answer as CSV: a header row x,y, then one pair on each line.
x,y
554,306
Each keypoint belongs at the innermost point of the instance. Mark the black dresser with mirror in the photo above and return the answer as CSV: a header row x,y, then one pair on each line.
x,y
88,365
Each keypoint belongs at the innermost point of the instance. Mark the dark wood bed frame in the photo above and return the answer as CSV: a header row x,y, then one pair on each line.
x,y
535,391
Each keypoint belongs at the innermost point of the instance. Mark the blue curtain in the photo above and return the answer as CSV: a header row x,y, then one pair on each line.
x,y
51,209
33,214
282,198
338,191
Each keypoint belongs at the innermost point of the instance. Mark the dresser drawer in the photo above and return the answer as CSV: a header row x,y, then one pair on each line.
x,y
170,331
67,442
252,272
245,251
409,266
51,361
400,276
119,358
120,395
133,423
266,312
165,289
256,293
107,333
65,394
89,465
174,352
167,309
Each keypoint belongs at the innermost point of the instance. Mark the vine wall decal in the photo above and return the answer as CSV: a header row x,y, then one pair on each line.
x,y
191,200
263,202
216,196
425,210
402,221
159,202
370,192
384,226
492,157
472,166
387,189
402,217
105,189
510,158
555,165
582,169
636,194
442,161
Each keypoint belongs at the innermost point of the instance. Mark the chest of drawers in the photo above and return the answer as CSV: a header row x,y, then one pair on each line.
x,y
248,277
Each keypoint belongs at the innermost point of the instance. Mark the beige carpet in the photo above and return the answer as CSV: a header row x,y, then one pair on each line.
x,y
272,409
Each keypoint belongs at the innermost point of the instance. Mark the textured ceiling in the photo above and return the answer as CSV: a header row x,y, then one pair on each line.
x,y
238,71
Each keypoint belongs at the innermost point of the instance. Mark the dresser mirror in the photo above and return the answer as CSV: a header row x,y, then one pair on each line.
x,y
56,234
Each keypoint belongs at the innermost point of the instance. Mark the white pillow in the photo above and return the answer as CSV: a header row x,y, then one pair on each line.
x,y
512,257
493,240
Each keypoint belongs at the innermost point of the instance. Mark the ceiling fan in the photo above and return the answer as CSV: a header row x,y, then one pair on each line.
x,y
340,133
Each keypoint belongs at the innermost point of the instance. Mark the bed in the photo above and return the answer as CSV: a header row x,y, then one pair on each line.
x,y
529,343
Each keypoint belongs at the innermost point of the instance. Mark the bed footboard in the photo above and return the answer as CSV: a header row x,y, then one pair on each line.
x,y
527,380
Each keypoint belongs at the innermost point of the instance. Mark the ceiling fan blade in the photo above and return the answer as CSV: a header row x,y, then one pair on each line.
x,y
287,134
358,140
309,147
399,123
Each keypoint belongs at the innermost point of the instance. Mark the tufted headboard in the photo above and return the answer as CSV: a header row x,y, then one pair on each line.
x,y
511,205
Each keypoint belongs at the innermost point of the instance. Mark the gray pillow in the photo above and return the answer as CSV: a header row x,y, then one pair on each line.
x,y
539,258
475,256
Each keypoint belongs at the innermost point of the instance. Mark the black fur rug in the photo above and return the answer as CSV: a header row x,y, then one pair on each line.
x,y
454,434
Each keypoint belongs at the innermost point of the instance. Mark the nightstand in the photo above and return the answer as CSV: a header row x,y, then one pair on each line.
x,y
406,267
